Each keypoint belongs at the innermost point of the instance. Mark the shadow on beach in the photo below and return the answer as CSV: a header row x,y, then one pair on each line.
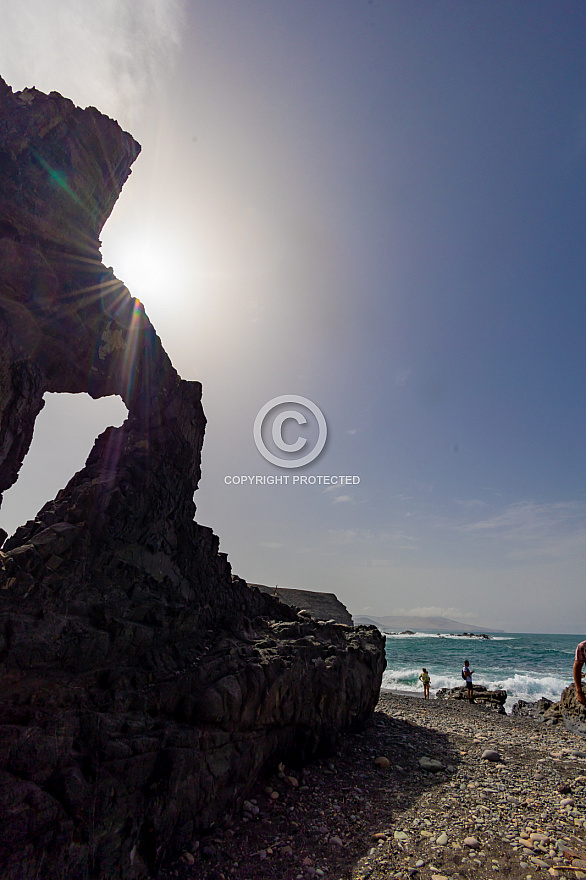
x,y
328,817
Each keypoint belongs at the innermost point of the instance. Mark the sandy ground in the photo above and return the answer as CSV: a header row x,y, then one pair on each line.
x,y
346,818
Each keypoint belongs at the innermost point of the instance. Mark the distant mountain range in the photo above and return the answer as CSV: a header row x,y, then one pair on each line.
x,y
422,624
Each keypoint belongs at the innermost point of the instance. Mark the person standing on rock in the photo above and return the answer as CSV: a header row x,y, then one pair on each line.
x,y
467,674
579,661
425,680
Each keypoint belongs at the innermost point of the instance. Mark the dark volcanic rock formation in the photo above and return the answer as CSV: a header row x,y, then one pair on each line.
x,y
567,711
142,686
526,709
494,699
572,712
321,606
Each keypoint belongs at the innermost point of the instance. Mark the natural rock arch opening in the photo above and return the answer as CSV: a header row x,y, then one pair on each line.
x,y
135,698
65,431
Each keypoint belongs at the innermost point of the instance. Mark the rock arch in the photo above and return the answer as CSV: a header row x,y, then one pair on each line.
x,y
142,686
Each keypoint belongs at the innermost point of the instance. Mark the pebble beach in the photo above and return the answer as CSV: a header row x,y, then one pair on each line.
x,y
430,789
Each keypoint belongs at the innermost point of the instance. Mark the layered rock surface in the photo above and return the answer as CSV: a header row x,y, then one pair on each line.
x,y
142,687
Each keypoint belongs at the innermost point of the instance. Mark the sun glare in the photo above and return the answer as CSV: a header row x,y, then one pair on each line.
x,y
152,268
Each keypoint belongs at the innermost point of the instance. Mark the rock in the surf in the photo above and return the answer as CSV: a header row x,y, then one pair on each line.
x,y
494,699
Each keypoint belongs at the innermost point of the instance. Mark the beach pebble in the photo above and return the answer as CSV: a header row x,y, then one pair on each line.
x,y
471,842
432,765
490,755
382,762
335,839
442,839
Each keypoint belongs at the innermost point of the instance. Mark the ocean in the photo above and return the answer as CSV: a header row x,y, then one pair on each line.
x,y
527,665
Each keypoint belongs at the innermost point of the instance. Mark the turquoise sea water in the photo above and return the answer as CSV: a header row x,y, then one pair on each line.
x,y
527,665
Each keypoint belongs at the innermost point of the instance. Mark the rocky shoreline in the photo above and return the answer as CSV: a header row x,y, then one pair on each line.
x,y
503,795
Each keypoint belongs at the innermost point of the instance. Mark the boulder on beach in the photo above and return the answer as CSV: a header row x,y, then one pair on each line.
x,y
573,713
526,709
494,699
567,711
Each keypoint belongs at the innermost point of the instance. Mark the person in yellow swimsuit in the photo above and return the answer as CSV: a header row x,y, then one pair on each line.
x,y
425,680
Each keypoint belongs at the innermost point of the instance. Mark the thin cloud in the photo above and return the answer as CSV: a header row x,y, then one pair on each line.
x,y
472,504
435,611
402,376
111,54
349,536
527,518
403,539
342,498
398,538
553,529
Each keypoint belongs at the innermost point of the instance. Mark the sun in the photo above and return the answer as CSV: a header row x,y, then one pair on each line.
x,y
154,268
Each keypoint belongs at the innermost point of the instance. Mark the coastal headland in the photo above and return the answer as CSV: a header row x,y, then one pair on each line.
x,y
401,622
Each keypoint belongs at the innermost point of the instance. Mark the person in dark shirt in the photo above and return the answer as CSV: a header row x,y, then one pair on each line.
x,y
467,674
579,661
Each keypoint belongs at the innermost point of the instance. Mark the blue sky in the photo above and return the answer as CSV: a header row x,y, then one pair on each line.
x,y
378,206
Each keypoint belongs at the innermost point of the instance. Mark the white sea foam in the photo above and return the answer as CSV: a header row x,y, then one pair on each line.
x,y
408,680
528,686
459,638
520,686
402,679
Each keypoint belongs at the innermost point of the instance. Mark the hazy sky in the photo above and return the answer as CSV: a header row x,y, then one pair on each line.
x,y
379,206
